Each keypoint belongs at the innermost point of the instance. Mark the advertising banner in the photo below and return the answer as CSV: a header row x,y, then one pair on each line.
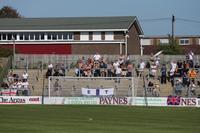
x,y
115,100
149,101
20,100
8,92
181,101
72,100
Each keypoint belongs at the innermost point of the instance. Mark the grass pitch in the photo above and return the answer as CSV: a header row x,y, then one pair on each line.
x,y
97,119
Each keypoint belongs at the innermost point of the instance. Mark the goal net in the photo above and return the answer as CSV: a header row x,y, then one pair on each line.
x,y
90,86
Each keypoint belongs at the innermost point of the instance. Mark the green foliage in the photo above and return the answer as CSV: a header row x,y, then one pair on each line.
x,y
171,49
9,12
5,52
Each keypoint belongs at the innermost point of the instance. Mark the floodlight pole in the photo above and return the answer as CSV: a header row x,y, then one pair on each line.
x,y
173,20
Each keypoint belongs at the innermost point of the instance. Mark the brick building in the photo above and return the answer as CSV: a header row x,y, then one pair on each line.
x,y
72,35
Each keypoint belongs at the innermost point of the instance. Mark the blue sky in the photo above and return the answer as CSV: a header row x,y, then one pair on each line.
x,y
145,10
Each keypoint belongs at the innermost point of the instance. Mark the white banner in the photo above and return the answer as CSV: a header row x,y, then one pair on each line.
x,y
20,100
72,100
89,92
97,92
106,92
150,101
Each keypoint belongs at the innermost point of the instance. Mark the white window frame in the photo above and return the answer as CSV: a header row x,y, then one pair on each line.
x,y
164,41
84,36
109,35
145,42
96,36
184,39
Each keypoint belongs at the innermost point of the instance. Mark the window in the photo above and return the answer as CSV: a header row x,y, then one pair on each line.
x,y
32,36
9,36
84,36
146,41
164,41
184,41
42,37
21,36
37,36
26,36
109,36
54,36
70,36
14,36
60,36
96,35
4,37
49,36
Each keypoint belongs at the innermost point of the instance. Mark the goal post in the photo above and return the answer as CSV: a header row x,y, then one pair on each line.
x,y
90,86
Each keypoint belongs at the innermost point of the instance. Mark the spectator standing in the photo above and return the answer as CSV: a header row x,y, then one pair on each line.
x,y
163,74
191,58
97,57
141,67
129,70
50,70
192,75
24,76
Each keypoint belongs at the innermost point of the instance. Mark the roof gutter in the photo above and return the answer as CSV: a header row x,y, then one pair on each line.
x,y
71,30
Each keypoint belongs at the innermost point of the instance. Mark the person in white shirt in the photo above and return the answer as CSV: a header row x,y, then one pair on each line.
x,y
50,66
116,64
97,57
118,73
25,85
173,66
19,85
141,67
24,76
191,58
153,70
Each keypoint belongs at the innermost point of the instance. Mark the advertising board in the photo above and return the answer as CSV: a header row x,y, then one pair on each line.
x,y
150,101
72,100
115,100
20,100
181,101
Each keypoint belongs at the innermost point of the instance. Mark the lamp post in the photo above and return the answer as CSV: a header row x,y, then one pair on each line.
x,y
13,39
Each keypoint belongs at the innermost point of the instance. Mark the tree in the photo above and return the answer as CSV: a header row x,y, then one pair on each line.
x,y
172,48
9,12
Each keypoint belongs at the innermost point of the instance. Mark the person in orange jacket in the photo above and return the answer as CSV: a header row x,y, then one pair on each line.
x,y
192,74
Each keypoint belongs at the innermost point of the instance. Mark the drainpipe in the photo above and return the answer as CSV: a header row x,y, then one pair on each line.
x,y
141,47
120,48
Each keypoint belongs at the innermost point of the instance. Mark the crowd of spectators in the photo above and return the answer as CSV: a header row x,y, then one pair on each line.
x,y
16,84
98,66
57,70
181,74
